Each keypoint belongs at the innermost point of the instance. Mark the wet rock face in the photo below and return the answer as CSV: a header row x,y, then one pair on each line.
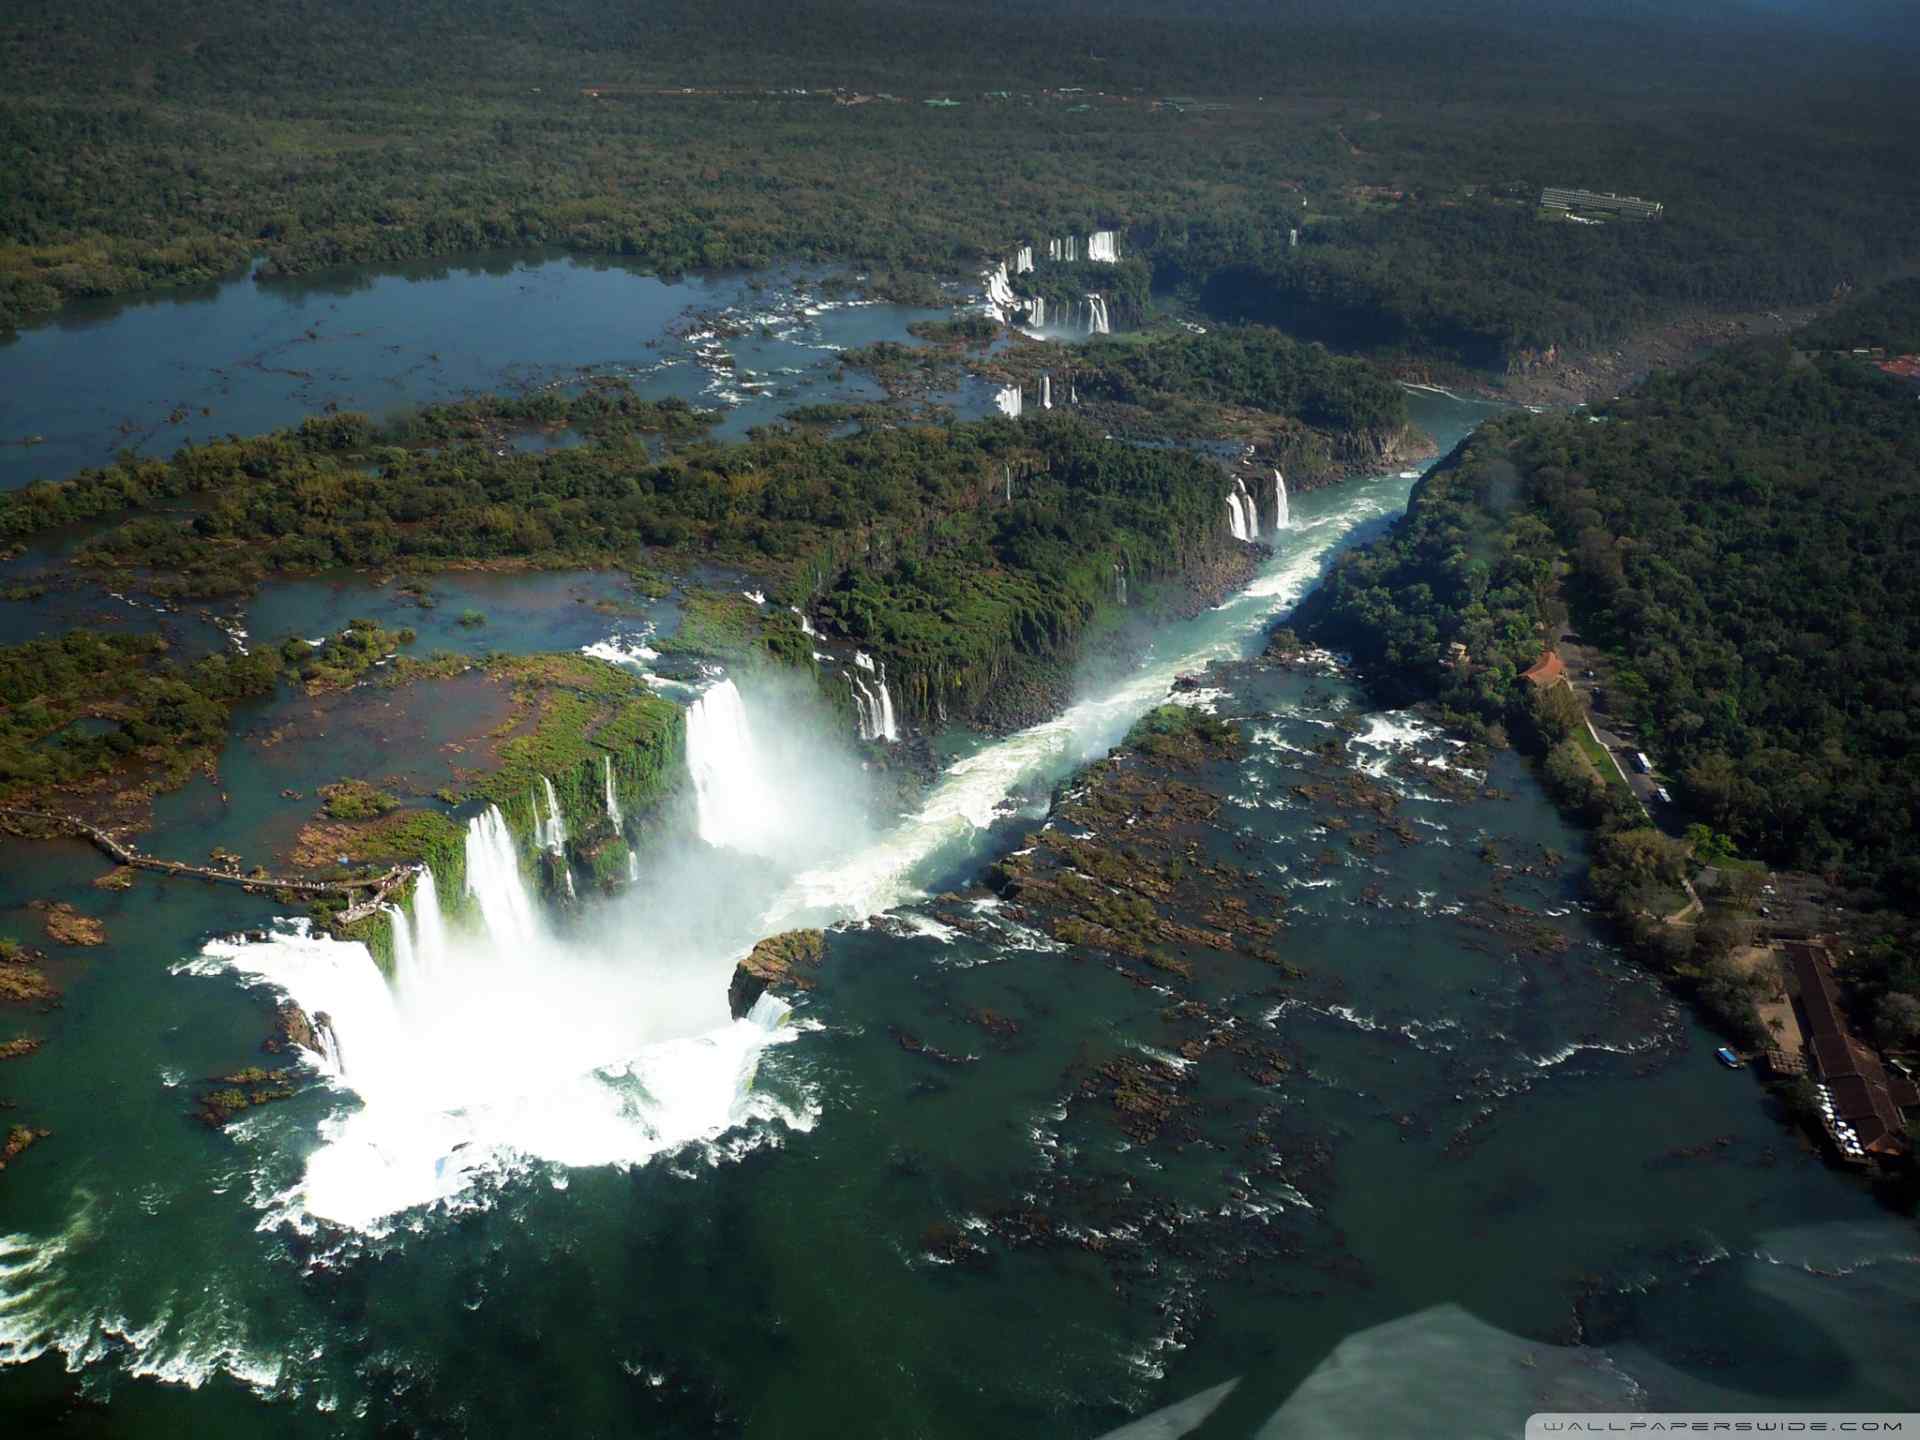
x,y
778,963
291,1030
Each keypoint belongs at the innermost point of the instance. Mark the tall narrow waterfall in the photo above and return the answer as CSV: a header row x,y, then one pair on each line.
x,y
1008,401
1104,245
550,831
1023,260
1046,392
1001,300
729,777
495,882
429,925
613,800
1037,312
1282,514
1097,316
403,958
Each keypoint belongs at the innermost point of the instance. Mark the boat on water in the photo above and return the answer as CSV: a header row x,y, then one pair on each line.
x,y
1727,1058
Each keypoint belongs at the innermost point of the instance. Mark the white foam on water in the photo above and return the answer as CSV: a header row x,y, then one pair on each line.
x,y
971,793
478,1075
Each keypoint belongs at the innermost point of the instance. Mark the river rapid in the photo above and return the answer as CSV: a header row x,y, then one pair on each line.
x,y
543,1182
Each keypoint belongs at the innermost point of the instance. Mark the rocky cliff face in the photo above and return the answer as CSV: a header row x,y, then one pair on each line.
x,y
779,963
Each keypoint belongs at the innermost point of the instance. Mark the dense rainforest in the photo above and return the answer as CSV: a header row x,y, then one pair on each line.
x,y
1406,144
1737,537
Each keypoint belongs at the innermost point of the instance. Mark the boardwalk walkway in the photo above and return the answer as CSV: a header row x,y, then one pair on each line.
x,y
365,896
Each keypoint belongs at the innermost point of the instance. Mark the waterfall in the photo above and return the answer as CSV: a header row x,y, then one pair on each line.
x,y
889,727
1037,314
865,711
1046,392
494,880
633,867
873,704
1073,393
1008,399
1023,260
1282,514
328,1039
1119,583
1001,301
806,625
613,800
429,925
403,961
1104,245
1241,517
736,810
1097,316
550,832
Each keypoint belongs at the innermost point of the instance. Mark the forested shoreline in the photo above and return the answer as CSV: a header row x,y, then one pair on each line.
x,y
1736,537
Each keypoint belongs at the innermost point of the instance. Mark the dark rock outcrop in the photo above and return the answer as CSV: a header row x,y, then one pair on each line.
x,y
778,963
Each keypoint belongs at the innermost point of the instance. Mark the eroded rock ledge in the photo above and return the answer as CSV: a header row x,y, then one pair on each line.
x,y
778,963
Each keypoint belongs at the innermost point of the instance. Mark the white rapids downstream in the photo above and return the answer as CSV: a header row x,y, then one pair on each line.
x,y
502,1046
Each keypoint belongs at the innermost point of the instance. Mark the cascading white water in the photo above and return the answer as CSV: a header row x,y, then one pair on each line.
x,y
613,800
1281,511
1097,316
1104,245
495,882
1241,520
1037,312
873,704
866,714
889,728
429,925
1001,301
1046,392
1023,260
549,828
730,785
403,959
1008,401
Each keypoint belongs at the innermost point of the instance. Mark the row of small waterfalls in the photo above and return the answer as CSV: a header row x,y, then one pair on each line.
x,y
1086,316
1010,400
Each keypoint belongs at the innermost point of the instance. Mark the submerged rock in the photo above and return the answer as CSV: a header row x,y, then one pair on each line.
x,y
777,963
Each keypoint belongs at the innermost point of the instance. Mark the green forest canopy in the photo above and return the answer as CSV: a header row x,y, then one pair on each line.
x,y
1406,143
